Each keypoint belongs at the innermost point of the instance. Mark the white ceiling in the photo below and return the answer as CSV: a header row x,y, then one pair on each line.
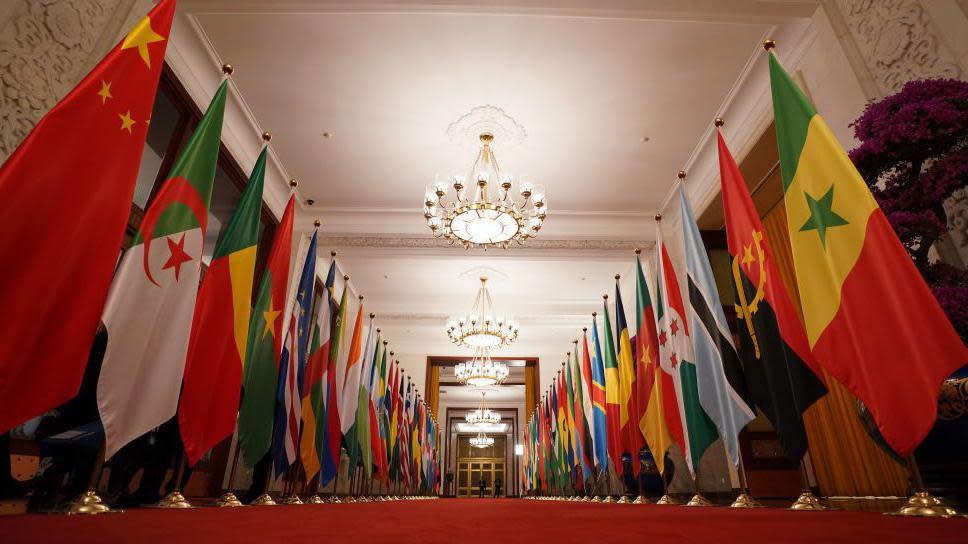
x,y
587,80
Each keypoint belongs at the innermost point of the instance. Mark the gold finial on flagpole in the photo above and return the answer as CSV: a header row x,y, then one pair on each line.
x,y
638,251
583,329
346,278
605,297
266,136
658,217
332,253
293,183
719,121
595,313
617,277
227,69
768,44
317,223
681,175
372,315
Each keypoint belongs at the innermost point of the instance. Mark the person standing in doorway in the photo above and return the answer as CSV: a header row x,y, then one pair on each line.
x,y
497,487
481,485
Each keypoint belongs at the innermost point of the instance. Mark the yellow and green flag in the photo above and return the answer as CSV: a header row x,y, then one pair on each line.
x,y
871,320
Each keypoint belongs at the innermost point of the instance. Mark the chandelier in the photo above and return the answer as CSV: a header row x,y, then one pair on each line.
x,y
481,371
481,328
481,441
482,416
475,217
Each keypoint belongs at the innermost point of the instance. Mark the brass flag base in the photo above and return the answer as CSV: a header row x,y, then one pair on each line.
x,y
349,499
698,500
334,500
808,501
87,503
596,498
623,500
586,498
173,500
292,499
666,499
926,505
609,499
641,499
744,500
228,500
315,499
263,500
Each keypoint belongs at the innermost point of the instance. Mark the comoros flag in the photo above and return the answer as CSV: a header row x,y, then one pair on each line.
x,y
148,315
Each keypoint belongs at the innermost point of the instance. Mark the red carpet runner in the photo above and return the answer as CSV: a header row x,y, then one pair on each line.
x,y
455,521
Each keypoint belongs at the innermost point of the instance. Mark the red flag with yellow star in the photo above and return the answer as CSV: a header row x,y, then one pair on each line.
x,y
64,207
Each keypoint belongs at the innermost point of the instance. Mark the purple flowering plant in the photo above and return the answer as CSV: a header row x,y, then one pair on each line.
x,y
914,155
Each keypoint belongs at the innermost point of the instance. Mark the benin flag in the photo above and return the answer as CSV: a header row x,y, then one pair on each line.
x,y
632,440
870,319
658,418
264,348
613,399
65,198
148,315
220,328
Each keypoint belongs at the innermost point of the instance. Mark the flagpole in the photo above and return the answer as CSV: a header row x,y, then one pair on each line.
x,y
666,498
697,499
744,500
89,502
228,499
175,499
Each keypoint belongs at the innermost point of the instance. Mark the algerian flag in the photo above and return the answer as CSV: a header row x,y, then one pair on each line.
x,y
148,315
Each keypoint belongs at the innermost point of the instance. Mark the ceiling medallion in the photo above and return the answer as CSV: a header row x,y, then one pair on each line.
x,y
483,416
475,217
481,328
481,371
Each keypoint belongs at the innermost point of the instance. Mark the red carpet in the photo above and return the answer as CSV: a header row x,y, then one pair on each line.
x,y
454,521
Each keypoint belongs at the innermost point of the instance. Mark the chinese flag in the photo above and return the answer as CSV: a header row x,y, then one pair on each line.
x,y
65,197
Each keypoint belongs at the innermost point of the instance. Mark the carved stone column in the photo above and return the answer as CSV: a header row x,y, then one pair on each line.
x,y
46,47
891,42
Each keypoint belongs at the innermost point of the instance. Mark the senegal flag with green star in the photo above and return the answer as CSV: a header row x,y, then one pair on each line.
x,y
264,347
148,315
871,320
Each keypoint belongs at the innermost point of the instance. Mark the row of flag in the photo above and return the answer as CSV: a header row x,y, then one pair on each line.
x,y
178,343
868,320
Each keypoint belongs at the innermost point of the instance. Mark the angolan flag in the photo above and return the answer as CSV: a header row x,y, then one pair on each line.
x,y
148,315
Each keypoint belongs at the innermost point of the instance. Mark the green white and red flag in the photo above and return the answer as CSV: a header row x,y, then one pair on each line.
x,y
148,315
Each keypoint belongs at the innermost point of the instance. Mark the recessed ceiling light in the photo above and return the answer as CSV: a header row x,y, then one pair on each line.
x,y
644,139
327,134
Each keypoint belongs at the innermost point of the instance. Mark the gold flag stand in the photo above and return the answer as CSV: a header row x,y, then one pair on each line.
x,y
744,499
175,499
922,503
698,500
807,501
666,498
88,502
228,499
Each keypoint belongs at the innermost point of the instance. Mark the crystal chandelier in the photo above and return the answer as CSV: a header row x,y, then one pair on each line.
x,y
483,415
475,217
481,328
481,371
481,441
